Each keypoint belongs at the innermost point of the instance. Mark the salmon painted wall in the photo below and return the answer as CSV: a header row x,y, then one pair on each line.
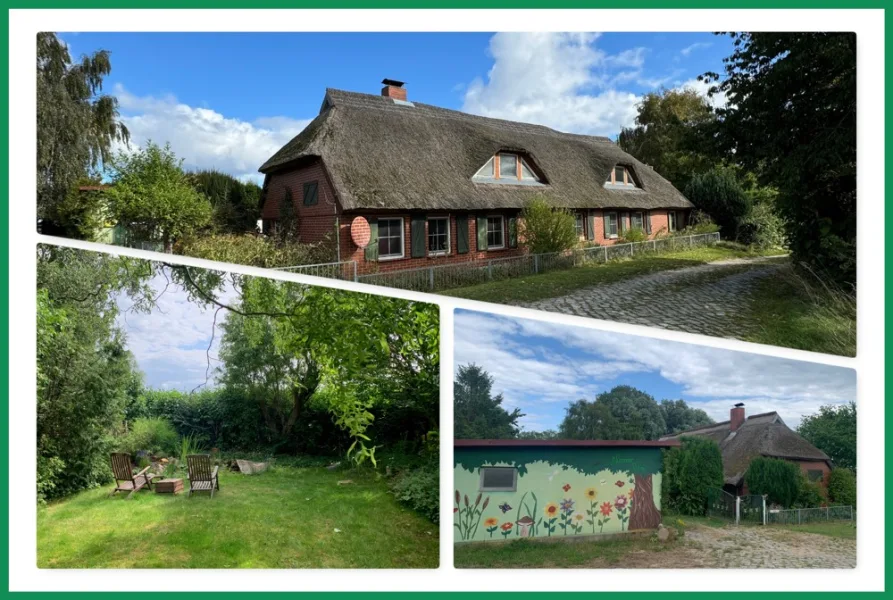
x,y
560,492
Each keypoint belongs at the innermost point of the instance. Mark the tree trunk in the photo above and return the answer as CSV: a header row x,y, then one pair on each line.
x,y
643,514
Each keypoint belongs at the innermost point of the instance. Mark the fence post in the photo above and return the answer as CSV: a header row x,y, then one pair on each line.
x,y
536,264
691,241
606,254
355,271
799,511
490,270
431,278
737,509
632,248
765,516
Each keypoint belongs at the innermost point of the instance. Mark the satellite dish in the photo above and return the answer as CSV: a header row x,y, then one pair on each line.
x,y
360,232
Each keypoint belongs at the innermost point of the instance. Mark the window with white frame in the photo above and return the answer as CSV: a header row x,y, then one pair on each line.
x,y
499,479
438,235
611,225
637,220
578,224
495,232
390,238
671,220
621,177
507,167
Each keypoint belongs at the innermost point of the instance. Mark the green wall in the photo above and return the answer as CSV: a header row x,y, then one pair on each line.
x,y
561,491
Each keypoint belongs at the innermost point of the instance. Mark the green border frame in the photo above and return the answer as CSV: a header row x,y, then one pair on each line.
x,y
410,4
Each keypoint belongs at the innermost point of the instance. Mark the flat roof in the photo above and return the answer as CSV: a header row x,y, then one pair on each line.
x,y
566,443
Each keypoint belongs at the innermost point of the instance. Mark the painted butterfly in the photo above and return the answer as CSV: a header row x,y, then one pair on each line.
x,y
504,507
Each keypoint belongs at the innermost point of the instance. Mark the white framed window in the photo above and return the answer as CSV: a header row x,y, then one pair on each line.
x,y
578,224
621,177
611,225
671,220
495,232
390,238
508,167
637,220
499,479
438,236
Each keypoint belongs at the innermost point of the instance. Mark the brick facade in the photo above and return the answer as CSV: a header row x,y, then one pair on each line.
x,y
316,223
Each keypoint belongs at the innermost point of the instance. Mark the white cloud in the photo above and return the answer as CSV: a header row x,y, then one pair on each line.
x,y
696,46
716,101
560,80
204,138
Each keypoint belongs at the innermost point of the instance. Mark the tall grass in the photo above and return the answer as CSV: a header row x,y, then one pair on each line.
x,y
189,444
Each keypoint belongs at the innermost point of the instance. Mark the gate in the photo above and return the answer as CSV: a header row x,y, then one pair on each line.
x,y
738,509
751,509
720,504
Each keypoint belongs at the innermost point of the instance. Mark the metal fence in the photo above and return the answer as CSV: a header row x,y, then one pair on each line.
x,y
801,516
346,270
721,504
454,275
751,509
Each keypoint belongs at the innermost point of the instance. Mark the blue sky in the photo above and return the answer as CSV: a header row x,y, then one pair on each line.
x,y
540,367
229,100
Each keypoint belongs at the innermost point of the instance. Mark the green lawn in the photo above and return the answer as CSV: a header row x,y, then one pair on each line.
x,y
283,518
838,529
560,283
795,312
522,554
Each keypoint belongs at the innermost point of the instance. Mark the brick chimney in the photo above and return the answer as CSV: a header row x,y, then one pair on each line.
x,y
393,89
736,416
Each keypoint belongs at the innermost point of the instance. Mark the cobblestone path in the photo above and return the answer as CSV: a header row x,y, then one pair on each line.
x,y
710,299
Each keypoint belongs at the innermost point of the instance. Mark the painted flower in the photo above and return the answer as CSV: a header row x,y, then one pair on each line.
x,y
621,502
551,509
606,508
591,493
455,510
566,487
507,526
619,483
578,517
567,505
491,522
504,507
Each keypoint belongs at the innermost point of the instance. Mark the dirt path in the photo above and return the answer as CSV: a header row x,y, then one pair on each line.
x,y
711,299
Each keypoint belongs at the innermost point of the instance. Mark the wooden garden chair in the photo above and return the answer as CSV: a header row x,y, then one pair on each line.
x,y
202,477
125,480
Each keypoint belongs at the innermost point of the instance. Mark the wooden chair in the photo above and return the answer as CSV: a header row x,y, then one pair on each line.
x,y
125,480
202,477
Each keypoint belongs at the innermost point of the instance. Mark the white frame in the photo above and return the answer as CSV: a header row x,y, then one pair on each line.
x,y
637,212
501,228
402,239
582,233
628,179
672,220
449,242
616,233
514,487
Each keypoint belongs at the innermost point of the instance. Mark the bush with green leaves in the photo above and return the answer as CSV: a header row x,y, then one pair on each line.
x,y
842,487
777,479
254,250
633,235
153,435
762,227
719,194
545,228
419,489
689,471
809,493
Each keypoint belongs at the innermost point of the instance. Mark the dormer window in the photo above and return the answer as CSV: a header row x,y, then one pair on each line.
x,y
621,177
508,167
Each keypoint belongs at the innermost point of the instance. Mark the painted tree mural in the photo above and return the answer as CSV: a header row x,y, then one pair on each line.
x,y
643,512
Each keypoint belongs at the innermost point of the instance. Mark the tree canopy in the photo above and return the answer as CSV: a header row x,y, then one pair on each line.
x,y
478,414
235,204
833,431
623,413
679,416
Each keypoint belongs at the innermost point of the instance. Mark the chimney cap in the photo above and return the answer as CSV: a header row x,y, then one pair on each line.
x,y
393,82
739,405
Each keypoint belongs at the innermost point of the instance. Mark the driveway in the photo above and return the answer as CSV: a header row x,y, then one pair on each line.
x,y
711,299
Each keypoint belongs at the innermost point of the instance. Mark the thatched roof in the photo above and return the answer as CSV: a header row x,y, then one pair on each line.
x,y
760,435
385,154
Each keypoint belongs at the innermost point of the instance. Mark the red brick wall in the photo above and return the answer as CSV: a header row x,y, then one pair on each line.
x,y
818,465
349,251
315,223
659,224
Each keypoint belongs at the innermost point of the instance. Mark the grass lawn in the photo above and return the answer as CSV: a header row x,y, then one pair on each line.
x,y
560,283
283,518
795,313
838,529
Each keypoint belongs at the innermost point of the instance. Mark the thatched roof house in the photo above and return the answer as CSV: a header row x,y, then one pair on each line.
x,y
383,155
742,439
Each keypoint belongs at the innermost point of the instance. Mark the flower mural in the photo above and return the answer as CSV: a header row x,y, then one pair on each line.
x,y
566,487
591,495
491,524
468,515
606,509
551,512
567,510
507,529
621,505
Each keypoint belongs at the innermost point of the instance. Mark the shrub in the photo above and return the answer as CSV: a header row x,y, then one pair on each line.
x,y
809,493
545,228
153,435
762,227
633,235
254,250
777,479
48,469
419,489
719,194
690,470
842,487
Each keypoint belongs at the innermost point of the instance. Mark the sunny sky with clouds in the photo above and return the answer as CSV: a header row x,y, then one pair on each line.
x,y
230,100
540,367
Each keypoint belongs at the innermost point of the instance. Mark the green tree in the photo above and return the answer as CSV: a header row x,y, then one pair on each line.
x,y
152,196
791,118
833,431
623,413
235,204
719,194
777,479
478,414
670,134
545,228
679,416
76,124
842,487
690,471
548,434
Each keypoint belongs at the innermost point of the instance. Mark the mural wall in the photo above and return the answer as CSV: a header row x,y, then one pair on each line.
x,y
560,492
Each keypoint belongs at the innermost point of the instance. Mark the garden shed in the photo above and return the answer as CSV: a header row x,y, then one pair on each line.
x,y
507,489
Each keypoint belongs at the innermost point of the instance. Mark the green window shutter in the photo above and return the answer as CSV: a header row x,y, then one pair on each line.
x,y
372,248
621,218
462,234
311,191
417,235
482,234
513,232
590,234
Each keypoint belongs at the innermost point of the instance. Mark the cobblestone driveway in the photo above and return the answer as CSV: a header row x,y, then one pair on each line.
x,y
711,299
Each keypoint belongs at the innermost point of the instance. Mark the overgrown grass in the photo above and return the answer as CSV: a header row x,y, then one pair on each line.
x,y
560,283
283,518
521,554
799,310
838,529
